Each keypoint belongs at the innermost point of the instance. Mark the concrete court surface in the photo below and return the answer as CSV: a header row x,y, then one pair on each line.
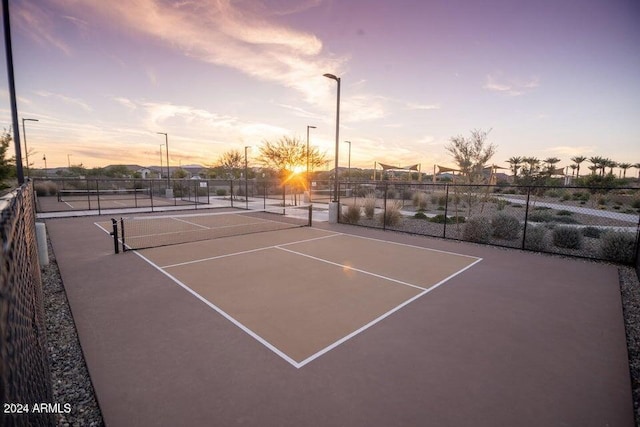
x,y
520,339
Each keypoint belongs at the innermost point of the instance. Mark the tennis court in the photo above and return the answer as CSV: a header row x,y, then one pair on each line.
x,y
332,325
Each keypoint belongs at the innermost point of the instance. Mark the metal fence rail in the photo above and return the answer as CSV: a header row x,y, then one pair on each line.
x,y
151,195
24,373
597,223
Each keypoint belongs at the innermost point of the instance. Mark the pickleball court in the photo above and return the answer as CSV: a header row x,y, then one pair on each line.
x,y
338,325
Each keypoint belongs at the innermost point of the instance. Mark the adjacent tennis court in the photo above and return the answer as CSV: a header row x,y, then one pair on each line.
x,y
334,325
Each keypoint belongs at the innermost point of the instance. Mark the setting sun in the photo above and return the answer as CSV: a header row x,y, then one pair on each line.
x,y
298,169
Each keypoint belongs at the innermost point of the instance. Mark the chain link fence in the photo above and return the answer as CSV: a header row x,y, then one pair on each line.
x,y
25,380
597,223
151,195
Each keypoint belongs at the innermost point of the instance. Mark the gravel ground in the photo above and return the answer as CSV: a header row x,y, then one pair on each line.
x,y
71,382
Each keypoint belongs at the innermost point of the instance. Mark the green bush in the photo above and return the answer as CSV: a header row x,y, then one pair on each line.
x,y
582,196
564,212
635,203
593,232
391,193
540,217
618,246
420,215
567,237
419,200
501,204
353,214
391,215
369,205
478,229
221,192
505,226
536,239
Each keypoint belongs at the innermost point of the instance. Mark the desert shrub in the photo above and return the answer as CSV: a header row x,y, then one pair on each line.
x,y
635,204
505,226
419,200
407,194
565,220
553,193
581,195
478,229
391,193
564,212
566,196
45,188
352,216
369,205
420,215
391,215
567,237
501,204
536,239
439,199
441,219
593,232
540,217
618,246
221,192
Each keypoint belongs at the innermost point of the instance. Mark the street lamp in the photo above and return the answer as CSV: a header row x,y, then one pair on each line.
x,y
44,157
69,160
335,185
308,127
166,143
161,165
24,134
349,167
246,177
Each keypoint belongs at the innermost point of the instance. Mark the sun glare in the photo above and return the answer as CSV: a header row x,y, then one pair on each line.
x,y
298,169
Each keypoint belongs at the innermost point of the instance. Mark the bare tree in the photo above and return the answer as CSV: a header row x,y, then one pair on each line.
x,y
231,162
471,154
288,154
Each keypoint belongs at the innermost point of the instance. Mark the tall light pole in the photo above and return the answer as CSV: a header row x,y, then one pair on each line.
x,y
161,164
308,127
246,177
24,135
44,157
349,167
335,185
166,144
69,160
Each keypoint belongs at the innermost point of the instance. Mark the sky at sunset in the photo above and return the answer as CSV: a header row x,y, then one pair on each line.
x,y
549,78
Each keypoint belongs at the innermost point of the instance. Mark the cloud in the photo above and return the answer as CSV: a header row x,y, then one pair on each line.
x,y
37,23
66,99
234,34
571,151
512,87
415,106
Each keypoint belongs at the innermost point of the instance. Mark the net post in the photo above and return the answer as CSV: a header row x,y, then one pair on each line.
x,y
231,191
124,245
114,233
310,215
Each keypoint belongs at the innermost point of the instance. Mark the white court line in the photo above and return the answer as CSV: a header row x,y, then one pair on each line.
x,y
102,228
190,223
335,344
346,267
223,313
247,251
382,317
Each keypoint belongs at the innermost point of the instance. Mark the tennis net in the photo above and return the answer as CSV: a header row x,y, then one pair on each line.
x,y
153,231
110,194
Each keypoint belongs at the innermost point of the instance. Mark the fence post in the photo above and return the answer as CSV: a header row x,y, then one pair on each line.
x,y
384,210
526,219
446,210
98,196
231,191
151,193
114,233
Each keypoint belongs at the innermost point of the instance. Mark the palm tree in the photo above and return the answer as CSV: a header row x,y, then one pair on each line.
x,y
624,167
596,162
533,165
515,164
550,162
637,166
573,169
608,163
577,160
